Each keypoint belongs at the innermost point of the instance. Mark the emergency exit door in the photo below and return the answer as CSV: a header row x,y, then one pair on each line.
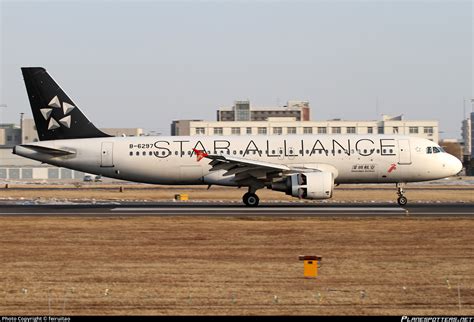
x,y
107,154
404,153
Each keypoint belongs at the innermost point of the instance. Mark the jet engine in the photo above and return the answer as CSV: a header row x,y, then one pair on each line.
x,y
311,185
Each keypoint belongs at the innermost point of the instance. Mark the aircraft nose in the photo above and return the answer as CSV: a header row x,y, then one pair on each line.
x,y
455,165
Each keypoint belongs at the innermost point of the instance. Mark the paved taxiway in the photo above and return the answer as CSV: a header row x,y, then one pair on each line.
x,y
222,209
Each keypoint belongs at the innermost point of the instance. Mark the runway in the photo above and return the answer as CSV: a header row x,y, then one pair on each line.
x,y
232,210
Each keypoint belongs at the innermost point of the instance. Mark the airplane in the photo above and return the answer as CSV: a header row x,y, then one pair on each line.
x,y
304,166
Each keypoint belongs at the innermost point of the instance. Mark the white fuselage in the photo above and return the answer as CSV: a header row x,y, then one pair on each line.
x,y
171,160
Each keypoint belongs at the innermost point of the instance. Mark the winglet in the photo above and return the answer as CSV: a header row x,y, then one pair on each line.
x,y
200,154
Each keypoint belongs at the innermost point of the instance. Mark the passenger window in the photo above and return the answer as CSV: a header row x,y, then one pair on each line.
x,y
144,153
175,152
131,153
138,153
150,153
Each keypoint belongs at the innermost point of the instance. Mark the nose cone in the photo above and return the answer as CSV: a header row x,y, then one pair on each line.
x,y
454,165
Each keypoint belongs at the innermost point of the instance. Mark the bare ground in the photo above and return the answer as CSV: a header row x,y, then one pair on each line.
x,y
186,265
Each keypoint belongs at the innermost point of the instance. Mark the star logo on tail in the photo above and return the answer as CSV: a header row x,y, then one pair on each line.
x,y
56,123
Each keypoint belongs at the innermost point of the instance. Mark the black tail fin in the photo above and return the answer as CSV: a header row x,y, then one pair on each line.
x,y
56,116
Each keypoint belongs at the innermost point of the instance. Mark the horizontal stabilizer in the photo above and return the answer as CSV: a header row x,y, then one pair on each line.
x,y
46,150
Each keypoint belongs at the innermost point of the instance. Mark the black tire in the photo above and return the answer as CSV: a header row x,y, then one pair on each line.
x,y
402,201
251,199
244,198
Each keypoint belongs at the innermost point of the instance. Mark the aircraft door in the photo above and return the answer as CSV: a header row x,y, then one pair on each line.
x,y
404,154
107,154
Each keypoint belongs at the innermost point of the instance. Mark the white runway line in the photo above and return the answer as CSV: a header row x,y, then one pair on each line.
x,y
286,209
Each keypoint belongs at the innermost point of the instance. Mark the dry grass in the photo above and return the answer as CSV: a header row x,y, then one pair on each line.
x,y
185,265
382,193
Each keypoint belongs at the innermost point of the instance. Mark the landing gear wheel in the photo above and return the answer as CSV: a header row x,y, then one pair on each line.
x,y
250,199
402,201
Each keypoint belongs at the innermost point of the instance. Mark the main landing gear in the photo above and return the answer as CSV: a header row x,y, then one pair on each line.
x,y
250,199
402,200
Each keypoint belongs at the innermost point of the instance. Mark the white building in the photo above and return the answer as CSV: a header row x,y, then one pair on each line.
x,y
289,125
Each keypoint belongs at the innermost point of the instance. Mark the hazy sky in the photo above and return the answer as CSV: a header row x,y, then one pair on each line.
x,y
144,64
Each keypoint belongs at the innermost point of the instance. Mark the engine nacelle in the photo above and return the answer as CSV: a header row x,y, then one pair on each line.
x,y
311,185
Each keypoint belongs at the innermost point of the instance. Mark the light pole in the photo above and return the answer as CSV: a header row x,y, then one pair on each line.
x,y
21,128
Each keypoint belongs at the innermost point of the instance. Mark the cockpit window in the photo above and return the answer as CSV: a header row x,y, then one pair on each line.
x,y
434,149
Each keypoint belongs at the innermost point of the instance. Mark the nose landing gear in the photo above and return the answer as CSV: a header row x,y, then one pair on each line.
x,y
402,200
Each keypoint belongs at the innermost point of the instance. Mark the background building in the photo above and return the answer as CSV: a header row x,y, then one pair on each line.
x,y
467,132
243,111
271,122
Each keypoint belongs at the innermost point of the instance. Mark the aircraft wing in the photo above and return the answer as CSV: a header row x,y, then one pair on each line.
x,y
246,169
